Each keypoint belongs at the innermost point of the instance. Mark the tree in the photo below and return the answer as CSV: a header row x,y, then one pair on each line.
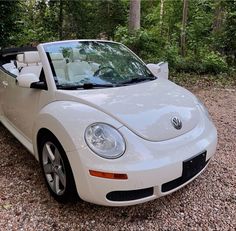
x,y
134,15
161,14
183,28
116,14
191,35
226,38
218,17
38,22
8,21
60,20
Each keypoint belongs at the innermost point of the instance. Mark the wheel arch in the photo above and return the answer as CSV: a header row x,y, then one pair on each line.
x,y
50,125
43,132
44,135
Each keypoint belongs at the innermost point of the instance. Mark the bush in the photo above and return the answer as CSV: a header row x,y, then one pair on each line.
x,y
214,63
206,63
144,43
153,49
134,41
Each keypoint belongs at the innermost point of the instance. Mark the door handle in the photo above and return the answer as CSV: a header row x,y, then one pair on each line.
x,y
5,83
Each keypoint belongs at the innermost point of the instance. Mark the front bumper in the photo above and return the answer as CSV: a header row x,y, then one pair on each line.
x,y
149,165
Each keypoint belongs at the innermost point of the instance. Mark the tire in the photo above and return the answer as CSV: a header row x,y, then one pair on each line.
x,y
56,169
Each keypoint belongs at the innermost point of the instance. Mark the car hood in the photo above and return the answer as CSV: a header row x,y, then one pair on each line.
x,y
146,108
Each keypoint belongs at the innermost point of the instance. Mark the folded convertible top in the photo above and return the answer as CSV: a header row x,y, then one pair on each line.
x,y
16,50
10,54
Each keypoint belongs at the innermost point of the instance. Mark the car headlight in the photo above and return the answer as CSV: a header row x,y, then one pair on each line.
x,y
105,140
203,108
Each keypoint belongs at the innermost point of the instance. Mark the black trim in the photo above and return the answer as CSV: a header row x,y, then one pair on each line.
x,y
51,64
39,85
130,195
42,84
52,68
16,50
42,76
9,54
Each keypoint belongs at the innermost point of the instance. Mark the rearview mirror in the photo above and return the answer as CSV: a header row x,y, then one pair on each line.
x,y
25,80
159,70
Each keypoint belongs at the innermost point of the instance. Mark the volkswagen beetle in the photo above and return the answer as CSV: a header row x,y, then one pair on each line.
x,y
104,125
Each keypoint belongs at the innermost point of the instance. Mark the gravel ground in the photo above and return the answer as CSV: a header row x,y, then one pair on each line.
x,y
208,203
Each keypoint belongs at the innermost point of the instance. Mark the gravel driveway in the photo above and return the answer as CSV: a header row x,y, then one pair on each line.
x,y
208,203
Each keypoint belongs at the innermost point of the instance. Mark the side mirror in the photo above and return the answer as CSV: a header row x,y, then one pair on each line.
x,y
25,80
159,70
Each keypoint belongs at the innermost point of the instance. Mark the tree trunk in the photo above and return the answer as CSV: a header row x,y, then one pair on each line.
x,y
161,14
183,28
134,15
60,20
218,18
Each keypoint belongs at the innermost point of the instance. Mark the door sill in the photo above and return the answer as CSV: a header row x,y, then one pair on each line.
x,y
18,135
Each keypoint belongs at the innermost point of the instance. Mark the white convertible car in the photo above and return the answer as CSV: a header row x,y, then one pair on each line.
x,y
102,123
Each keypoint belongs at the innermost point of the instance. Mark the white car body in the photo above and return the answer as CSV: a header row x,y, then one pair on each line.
x,y
155,150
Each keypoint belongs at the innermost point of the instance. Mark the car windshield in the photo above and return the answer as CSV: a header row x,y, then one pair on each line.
x,y
90,64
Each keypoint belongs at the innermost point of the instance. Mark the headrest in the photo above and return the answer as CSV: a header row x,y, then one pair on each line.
x,y
77,55
20,58
31,57
56,56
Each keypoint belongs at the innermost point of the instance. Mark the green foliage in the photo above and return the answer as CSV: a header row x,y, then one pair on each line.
x,y
110,14
33,30
224,40
153,49
8,21
213,62
160,40
210,29
207,62
135,42
89,19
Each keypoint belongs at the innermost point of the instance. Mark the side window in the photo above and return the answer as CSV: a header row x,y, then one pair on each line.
x,y
10,69
8,65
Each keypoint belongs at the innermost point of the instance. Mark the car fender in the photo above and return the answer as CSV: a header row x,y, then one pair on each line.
x,y
67,120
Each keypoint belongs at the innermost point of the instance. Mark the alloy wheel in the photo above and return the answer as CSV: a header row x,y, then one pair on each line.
x,y
54,169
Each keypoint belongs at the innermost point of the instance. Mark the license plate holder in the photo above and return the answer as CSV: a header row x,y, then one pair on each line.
x,y
191,167
194,165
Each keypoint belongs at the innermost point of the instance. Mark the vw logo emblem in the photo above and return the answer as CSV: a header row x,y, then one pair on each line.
x,y
176,122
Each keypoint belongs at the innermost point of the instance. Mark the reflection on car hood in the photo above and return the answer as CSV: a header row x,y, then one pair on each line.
x,y
145,108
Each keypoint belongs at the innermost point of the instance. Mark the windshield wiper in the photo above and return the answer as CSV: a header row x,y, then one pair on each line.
x,y
83,86
138,79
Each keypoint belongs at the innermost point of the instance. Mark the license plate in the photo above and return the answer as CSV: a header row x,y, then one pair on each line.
x,y
193,166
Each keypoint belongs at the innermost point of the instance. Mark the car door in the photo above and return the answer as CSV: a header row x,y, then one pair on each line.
x,y
3,85
1,91
19,105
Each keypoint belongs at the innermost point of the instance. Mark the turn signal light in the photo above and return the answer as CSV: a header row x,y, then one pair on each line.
x,y
108,175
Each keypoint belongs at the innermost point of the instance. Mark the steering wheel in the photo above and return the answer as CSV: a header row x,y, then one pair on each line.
x,y
104,68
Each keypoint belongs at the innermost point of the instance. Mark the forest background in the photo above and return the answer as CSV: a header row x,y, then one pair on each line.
x,y
196,37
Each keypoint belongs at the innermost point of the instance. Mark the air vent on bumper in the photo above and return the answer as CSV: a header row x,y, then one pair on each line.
x,y
130,195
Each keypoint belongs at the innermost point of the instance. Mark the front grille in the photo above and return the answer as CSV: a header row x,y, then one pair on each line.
x,y
191,168
130,195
